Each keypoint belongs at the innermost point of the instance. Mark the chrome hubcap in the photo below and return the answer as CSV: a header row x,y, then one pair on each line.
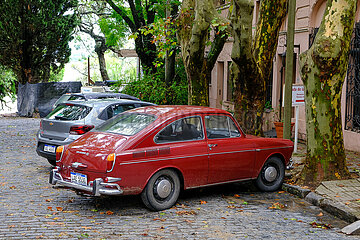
x,y
270,174
163,188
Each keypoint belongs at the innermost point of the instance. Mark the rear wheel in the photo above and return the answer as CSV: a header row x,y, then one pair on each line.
x,y
162,190
271,175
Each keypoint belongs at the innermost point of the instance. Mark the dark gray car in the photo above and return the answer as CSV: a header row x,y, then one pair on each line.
x,y
71,119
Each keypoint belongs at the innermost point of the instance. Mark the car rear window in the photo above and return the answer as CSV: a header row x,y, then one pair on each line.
x,y
69,112
127,124
76,97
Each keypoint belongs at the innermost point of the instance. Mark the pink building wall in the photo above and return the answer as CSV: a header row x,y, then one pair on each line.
x,y
308,16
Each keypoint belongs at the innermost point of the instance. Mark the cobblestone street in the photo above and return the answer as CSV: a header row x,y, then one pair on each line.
x,y
31,208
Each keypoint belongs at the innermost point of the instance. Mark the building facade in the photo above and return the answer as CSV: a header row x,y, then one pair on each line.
x,y
308,17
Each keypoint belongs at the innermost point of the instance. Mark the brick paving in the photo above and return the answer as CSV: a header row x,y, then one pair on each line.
x,y
30,208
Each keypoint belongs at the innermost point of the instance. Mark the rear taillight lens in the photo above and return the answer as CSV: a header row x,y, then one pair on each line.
x,y
110,162
80,129
41,125
59,152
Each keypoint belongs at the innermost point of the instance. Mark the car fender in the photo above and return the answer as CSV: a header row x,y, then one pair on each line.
x,y
171,167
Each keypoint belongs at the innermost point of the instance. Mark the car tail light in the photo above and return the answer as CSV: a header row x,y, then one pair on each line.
x,y
110,162
80,129
41,125
59,152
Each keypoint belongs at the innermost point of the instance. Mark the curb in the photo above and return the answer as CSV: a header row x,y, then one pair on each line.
x,y
337,209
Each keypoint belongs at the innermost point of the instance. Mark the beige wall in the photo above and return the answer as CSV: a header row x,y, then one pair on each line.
x,y
308,15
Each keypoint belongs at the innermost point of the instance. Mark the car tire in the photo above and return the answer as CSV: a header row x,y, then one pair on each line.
x,y
162,190
52,161
271,175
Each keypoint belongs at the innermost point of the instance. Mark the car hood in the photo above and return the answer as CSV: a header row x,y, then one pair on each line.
x,y
90,151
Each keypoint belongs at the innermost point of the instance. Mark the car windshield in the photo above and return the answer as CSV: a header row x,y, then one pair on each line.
x,y
69,112
127,124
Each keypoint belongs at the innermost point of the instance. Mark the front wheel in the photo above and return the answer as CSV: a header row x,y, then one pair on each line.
x,y
271,175
162,190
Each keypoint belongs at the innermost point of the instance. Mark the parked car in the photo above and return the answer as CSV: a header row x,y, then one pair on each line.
x,y
158,151
69,120
92,95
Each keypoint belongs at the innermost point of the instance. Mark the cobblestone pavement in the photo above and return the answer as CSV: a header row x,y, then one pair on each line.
x,y
30,208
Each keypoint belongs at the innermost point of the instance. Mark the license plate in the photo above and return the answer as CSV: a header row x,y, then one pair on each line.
x,y
78,178
49,148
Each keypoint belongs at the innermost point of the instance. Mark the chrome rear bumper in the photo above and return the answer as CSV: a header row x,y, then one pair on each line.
x,y
97,187
290,165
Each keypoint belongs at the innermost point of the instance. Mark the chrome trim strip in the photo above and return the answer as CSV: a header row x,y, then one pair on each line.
x,y
211,154
154,160
214,184
250,150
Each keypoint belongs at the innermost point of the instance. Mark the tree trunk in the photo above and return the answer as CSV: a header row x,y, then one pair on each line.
x,y
323,70
194,24
252,61
100,49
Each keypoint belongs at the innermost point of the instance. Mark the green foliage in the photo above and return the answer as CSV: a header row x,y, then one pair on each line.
x,y
7,84
152,87
114,29
34,37
57,76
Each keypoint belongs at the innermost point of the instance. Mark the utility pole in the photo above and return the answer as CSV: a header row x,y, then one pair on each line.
x,y
289,68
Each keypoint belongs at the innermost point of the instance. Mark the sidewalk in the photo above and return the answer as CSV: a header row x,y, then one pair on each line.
x,y
339,197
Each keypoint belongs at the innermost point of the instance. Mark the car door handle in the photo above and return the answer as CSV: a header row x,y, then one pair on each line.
x,y
212,145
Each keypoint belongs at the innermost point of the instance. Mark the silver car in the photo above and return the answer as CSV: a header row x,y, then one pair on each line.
x,y
71,119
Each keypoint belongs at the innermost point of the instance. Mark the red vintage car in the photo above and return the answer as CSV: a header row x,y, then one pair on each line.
x,y
157,151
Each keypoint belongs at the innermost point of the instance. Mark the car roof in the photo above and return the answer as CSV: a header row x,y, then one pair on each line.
x,y
104,102
168,111
92,95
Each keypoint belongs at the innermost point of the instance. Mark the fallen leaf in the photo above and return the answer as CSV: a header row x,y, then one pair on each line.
x,y
340,185
192,212
237,195
347,203
277,205
189,221
109,213
203,202
320,214
59,208
49,199
159,219
86,228
281,192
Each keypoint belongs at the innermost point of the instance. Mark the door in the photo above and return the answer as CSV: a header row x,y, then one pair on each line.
x,y
231,155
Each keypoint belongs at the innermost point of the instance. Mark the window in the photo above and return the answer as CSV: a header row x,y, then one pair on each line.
x,y
127,124
114,110
69,112
352,111
184,129
220,126
229,89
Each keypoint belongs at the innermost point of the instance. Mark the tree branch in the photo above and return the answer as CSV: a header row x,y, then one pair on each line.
x,y
123,15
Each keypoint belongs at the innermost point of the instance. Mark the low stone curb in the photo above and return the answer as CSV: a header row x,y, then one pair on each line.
x,y
337,209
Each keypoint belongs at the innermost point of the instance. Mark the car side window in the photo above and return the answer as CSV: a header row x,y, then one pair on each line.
x,y
185,129
220,126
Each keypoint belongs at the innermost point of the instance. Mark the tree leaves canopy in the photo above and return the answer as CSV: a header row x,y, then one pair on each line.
x,y
34,37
